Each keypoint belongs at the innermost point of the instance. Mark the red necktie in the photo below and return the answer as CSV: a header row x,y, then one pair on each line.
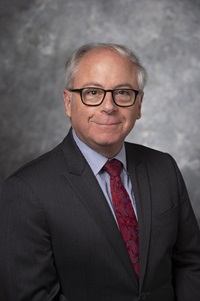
x,y
125,215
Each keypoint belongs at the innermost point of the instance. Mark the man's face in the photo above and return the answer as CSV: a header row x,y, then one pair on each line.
x,y
104,127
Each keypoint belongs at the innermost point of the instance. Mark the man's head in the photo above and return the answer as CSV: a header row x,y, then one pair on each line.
x,y
73,62
102,120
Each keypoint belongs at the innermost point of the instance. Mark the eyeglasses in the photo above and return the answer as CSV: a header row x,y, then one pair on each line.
x,y
95,96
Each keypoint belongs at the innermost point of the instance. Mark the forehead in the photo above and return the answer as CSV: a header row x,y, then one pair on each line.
x,y
101,55
106,65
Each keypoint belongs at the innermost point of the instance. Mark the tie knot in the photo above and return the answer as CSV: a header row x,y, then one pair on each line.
x,y
113,167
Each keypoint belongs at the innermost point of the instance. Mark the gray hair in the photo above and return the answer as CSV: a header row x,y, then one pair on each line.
x,y
72,63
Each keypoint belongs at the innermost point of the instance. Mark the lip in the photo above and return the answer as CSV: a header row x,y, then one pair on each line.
x,y
106,127
107,123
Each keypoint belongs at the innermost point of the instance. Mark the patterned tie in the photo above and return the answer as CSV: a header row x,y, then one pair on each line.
x,y
125,215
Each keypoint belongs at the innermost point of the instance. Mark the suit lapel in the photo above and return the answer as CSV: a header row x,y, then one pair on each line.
x,y
85,185
139,178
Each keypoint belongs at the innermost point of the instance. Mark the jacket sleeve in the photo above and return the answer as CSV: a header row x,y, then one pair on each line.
x,y
186,252
27,269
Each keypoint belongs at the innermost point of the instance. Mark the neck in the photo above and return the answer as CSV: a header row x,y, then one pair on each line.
x,y
108,151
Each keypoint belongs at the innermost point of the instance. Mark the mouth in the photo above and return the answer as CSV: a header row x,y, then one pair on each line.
x,y
110,125
107,124
107,127
102,123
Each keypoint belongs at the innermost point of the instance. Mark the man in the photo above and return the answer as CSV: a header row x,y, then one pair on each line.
x,y
73,229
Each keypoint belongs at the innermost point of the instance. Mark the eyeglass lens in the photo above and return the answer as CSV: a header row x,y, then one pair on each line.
x,y
94,96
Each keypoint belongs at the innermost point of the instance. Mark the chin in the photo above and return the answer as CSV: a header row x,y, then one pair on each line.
x,y
107,142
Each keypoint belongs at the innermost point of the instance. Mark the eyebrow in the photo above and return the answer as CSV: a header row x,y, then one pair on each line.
x,y
95,84
91,84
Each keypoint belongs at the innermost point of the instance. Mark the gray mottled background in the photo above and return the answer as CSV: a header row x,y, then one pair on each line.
x,y
36,38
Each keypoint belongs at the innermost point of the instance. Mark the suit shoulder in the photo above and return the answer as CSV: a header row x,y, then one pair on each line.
x,y
144,150
151,157
47,163
159,164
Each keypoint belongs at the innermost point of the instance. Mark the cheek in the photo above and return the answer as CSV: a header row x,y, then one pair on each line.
x,y
131,118
81,114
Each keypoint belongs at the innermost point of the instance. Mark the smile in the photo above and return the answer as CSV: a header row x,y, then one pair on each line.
x,y
107,124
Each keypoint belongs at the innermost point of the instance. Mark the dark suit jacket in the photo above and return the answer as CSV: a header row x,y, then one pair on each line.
x,y
59,240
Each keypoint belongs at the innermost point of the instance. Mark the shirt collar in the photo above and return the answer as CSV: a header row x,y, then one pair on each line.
x,y
96,160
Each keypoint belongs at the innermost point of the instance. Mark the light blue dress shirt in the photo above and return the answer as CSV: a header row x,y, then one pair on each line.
x,y
96,162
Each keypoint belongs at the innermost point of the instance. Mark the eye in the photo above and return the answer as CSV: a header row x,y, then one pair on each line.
x,y
91,92
122,92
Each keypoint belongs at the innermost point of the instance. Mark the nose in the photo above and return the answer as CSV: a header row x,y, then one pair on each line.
x,y
108,106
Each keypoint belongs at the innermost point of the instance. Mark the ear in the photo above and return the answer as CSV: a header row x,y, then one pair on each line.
x,y
140,99
67,101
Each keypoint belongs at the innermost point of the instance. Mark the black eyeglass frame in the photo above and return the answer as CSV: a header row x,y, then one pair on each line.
x,y
80,91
